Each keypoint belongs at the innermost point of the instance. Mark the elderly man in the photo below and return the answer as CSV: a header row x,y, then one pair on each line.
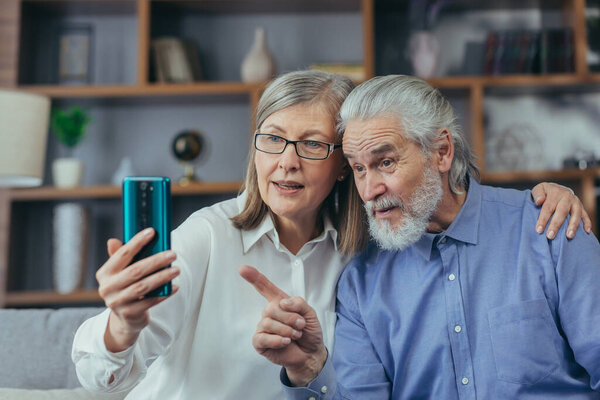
x,y
458,298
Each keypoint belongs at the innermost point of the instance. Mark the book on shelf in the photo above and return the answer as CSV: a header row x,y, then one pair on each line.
x,y
354,71
527,51
175,60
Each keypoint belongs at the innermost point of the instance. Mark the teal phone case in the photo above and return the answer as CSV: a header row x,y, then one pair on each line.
x,y
147,203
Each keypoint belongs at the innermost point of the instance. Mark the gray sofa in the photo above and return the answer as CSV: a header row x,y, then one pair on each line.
x,y
35,354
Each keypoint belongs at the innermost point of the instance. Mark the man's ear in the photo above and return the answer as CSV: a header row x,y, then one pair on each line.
x,y
444,150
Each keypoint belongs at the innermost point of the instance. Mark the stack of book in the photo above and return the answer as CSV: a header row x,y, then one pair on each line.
x,y
545,51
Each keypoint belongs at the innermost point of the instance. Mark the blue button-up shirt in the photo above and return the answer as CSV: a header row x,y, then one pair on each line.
x,y
488,309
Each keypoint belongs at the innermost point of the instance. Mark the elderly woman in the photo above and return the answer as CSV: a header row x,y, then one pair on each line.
x,y
299,218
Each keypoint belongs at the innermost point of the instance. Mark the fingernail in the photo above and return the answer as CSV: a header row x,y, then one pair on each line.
x,y
551,235
539,229
286,340
538,199
299,323
170,255
570,234
286,302
147,231
296,334
174,271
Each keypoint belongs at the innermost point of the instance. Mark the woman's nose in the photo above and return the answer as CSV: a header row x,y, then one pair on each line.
x,y
289,159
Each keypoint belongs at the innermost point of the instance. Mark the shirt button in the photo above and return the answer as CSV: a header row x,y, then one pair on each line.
x,y
311,398
324,389
451,277
443,240
296,262
465,381
457,329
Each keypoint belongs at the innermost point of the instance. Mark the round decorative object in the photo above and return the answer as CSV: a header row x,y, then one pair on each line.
x,y
187,146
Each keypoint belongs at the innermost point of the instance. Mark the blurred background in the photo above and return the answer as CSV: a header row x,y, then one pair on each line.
x,y
94,90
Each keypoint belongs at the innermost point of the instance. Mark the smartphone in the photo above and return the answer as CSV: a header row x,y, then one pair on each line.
x,y
147,203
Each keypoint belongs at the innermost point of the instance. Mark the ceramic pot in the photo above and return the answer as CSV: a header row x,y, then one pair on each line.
x,y
258,65
70,232
67,172
424,50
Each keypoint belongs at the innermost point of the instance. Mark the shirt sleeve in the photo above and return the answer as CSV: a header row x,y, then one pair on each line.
x,y
323,387
360,373
95,365
577,263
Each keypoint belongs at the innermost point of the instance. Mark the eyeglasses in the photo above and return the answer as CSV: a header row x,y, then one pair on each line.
x,y
309,149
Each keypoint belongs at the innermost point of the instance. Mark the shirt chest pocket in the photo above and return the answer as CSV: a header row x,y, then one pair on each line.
x,y
523,341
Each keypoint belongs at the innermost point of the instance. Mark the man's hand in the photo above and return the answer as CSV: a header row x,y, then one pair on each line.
x,y
560,201
289,333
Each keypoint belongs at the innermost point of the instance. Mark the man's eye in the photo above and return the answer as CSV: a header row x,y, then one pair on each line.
x,y
386,163
312,143
358,168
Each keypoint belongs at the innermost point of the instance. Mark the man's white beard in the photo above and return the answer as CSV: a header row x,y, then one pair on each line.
x,y
416,214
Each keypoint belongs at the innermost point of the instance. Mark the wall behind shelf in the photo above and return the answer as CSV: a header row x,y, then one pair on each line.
x,y
114,47
144,131
550,127
294,40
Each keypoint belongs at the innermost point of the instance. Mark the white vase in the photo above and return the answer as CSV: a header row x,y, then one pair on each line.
x,y
424,50
258,65
67,172
70,231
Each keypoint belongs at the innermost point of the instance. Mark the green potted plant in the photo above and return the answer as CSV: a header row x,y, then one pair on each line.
x,y
69,126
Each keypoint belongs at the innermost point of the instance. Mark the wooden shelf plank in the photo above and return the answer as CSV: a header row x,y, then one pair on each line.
x,y
465,82
534,176
46,298
147,90
110,191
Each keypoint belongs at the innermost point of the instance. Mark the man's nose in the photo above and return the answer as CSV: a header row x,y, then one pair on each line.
x,y
374,187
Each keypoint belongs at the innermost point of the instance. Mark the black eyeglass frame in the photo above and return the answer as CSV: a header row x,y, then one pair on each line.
x,y
330,146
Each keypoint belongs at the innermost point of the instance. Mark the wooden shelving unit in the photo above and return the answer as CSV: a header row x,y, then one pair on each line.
x,y
109,191
48,298
474,88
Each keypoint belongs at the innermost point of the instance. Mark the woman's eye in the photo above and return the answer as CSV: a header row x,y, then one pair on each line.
x,y
275,139
312,143
357,168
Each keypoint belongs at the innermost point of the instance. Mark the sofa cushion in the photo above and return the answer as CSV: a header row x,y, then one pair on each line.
x,y
57,394
36,347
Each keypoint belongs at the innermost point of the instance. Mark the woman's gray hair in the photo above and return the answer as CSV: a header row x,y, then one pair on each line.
x,y
422,112
303,87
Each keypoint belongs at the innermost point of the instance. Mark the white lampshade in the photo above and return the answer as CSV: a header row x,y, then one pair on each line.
x,y
23,137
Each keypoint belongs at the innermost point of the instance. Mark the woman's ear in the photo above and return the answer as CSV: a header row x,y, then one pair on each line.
x,y
444,150
345,171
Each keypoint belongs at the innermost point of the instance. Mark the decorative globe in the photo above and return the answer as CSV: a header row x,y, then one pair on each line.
x,y
187,145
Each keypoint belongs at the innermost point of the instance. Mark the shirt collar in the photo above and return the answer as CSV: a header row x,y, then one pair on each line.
x,y
267,228
464,228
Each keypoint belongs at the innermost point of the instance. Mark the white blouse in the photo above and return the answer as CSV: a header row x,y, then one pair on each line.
x,y
199,342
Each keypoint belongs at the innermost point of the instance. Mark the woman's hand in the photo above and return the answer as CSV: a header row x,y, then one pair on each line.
x,y
289,333
561,201
122,287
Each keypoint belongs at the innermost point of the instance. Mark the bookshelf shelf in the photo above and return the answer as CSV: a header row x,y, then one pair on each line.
x,y
109,191
146,90
47,298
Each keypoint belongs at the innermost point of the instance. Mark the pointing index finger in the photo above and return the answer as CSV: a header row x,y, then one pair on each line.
x,y
260,282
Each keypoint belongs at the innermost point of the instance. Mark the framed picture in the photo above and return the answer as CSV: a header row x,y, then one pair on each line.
x,y
75,43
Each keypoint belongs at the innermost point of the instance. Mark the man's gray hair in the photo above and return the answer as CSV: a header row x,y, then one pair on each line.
x,y
422,112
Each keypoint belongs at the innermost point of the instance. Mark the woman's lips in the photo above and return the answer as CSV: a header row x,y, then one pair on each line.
x,y
288,186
